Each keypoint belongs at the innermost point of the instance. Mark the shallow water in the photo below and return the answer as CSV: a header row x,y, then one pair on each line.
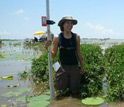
x,y
73,102
17,59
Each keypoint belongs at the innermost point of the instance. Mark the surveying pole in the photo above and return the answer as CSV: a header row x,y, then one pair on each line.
x,y
51,83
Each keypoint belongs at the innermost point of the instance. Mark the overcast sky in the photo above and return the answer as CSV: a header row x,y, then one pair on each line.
x,y
19,19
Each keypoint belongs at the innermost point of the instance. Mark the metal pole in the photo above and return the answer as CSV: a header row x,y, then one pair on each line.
x,y
49,55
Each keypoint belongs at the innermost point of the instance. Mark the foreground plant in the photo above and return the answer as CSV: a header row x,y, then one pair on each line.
x,y
114,63
91,81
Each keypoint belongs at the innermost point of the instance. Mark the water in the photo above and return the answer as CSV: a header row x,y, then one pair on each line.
x,y
18,58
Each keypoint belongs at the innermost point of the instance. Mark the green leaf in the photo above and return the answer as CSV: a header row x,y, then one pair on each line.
x,y
39,104
17,85
22,99
39,101
47,92
7,77
39,98
24,89
10,94
93,101
3,105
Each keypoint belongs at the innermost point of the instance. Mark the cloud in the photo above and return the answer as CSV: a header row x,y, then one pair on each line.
x,y
26,18
100,29
20,11
5,33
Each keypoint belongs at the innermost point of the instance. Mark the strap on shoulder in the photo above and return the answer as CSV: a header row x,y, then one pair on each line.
x,y
59,39
75,37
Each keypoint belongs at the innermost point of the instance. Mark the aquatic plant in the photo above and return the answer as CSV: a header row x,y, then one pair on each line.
x,y
17,44
114,64
91,81
4,105
39,67
7,77
16,85
15,93
25,74
1,56
39,101
34,46
93,101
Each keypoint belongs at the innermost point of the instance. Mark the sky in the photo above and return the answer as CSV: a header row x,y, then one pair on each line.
x,y
19,19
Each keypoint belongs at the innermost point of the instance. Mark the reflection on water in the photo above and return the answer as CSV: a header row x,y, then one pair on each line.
x,y
18,58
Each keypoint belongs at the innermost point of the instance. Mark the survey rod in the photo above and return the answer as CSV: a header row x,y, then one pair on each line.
x,y
51,83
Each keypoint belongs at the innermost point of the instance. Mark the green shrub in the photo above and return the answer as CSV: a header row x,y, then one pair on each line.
x,y
39,67
91,81
114,59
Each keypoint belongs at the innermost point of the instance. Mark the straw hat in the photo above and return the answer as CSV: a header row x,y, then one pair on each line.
x,y
67,18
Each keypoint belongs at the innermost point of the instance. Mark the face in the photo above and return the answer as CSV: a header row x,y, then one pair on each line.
x,y
68,25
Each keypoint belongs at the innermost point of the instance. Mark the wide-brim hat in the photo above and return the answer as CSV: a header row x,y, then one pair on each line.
x,y
67,18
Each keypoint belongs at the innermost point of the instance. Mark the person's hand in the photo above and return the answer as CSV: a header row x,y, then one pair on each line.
x,y
48,43
82,72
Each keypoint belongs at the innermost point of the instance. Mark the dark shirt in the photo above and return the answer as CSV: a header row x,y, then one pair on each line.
x,y
68,50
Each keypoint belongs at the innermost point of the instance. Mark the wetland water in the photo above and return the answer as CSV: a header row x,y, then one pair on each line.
x,y
17,59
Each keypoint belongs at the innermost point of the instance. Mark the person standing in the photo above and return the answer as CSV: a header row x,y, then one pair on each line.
x,y
35,39
68,43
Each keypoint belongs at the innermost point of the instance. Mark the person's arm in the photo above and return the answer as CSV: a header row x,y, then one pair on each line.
x,y
79,54
55,46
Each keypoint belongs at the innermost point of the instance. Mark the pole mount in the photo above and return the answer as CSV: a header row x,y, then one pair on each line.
x,y
50,22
